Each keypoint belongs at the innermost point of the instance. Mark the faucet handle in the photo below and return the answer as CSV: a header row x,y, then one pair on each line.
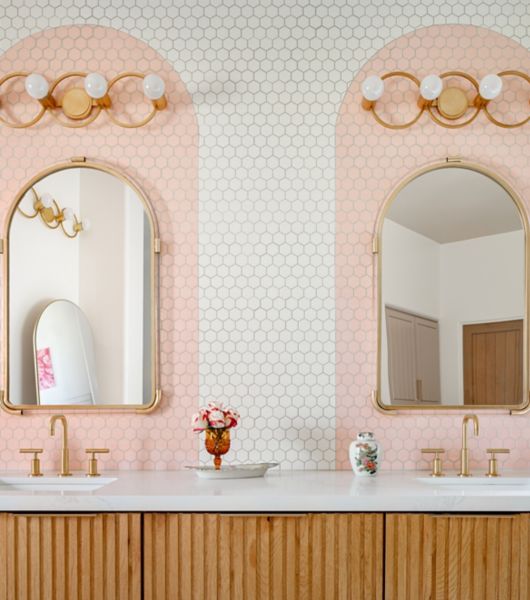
x,y
93,461
492,462
35,461
436,462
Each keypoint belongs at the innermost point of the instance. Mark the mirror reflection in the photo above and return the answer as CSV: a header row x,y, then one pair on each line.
x,y
81,293
453,299
65,361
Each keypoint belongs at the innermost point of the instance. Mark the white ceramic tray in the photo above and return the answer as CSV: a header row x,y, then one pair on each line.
x,y
233,471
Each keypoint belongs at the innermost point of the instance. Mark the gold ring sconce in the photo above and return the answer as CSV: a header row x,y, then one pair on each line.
x,y
53,216
444,103
80,106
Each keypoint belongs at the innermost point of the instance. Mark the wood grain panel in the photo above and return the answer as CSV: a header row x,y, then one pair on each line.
x,y
251,557
80,557
452,557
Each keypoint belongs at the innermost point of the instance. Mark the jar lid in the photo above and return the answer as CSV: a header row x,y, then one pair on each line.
x,y
365,435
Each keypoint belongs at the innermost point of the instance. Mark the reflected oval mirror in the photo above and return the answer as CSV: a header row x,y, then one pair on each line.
x,y
64,354
82,271
453,323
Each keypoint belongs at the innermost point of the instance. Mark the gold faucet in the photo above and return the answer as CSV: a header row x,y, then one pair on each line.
x,y
464,454
65,466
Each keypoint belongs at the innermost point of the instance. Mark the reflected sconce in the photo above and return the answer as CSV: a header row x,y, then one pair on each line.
x,y
80,106
444,104
54,217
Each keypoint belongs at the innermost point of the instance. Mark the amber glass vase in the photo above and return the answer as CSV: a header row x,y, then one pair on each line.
x,y
217,443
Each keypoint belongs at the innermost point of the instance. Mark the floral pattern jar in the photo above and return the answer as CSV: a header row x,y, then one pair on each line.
x,y
365,454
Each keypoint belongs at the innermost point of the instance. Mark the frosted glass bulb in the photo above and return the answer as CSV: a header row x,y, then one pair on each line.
x,y
46,200
490,86
86,224
36,86
373,88
96,85
68,214
431,87
154,86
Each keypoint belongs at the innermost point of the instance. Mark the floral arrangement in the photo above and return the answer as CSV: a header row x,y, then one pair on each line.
x,y
214,416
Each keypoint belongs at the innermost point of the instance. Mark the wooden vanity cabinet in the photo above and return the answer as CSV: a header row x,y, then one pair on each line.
x,y
263,557
457,557
70,557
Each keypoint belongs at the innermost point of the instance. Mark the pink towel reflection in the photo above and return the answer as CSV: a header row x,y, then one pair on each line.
x,y
45,369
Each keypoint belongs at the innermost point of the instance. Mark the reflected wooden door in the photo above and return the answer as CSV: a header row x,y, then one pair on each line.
x,y
493,363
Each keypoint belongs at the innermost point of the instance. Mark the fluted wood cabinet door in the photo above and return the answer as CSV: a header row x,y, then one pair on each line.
x,y
70,557
452,557
247,557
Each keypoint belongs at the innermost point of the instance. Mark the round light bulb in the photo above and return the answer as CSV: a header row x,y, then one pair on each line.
x,y
373,88
154,86
86,224
96,85
46,200
431,87
68,213
490,86
36,86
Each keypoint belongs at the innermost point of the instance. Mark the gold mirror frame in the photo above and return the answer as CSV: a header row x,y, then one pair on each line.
x,y
377,250
75,163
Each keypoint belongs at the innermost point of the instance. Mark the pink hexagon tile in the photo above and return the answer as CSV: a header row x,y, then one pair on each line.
x,y
162,159
371,161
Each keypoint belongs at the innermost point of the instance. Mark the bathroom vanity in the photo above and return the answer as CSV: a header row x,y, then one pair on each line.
x,y
291,535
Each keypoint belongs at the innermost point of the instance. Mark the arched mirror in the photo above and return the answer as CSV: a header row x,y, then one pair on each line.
x,y
453,322
81,302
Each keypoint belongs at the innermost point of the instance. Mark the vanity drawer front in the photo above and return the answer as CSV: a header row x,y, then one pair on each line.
x,y
468,557
263,557
70,557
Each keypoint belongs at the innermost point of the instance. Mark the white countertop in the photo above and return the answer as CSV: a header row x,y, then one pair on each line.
x,y
279,491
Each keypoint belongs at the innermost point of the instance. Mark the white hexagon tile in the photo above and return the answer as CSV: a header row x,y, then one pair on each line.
x,y
266,80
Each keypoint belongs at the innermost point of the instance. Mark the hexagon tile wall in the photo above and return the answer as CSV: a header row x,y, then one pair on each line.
x,y
162,159
371,161
267,80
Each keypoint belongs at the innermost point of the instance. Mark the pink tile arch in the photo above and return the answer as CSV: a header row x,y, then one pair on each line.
x,y
371,161
162,159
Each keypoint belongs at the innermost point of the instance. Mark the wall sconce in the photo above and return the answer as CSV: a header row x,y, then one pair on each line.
x,y
443,104
53,216
82,105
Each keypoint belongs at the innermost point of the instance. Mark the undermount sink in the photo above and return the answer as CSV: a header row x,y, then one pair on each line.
x,y
53,484
480,480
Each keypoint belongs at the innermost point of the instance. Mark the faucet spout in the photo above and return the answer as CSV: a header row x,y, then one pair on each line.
x,y
65,452
464,454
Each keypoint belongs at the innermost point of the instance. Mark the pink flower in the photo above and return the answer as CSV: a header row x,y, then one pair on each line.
x,y
199,421
231,418
216,418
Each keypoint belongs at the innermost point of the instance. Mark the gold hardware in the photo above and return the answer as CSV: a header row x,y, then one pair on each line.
x,y
156,393
77,106
52,216
452,103
78,159
437,461
455,162
157,245
419,390
492,462
464,454
65,452
35,461
1,246
93,461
